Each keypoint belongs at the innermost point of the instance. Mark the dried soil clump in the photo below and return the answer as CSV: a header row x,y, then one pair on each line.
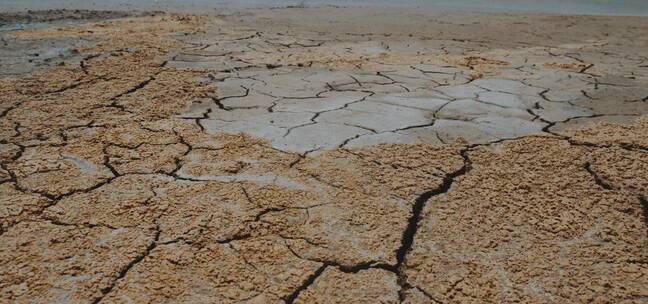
x,y
532,222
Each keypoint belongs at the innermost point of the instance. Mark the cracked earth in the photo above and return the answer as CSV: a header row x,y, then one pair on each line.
x,y
269,156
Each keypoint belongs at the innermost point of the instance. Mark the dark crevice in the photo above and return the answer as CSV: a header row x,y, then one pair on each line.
x,y
359,267
599,181
199,124
587,95
80,225
551,124
237,237
346,141
248,197
419,204
71,86
21,150
14,180
625,146
631,147
175,176
114,100
124,271
644,207
106,162
179,160
296,161
302,125
404,87
266,211
85,59
9,109
583,70
413,127
429,296
306,153
56,198
354,268
139,86
308,241
406,286
309,281
218,101
417,209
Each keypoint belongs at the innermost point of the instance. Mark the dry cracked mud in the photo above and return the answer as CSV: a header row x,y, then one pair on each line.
x,y
243,158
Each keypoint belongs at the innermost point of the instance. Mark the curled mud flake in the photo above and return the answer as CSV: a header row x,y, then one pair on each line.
x,y
546,210
43,261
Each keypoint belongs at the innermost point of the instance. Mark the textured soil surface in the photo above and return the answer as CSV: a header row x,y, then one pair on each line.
x,y
60,15
268,157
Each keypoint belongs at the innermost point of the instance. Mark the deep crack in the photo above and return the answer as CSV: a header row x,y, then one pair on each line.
x,y
124,271
307,283
597,178
417,209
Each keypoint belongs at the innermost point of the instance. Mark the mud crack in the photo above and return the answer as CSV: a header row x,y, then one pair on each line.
x,y
124,271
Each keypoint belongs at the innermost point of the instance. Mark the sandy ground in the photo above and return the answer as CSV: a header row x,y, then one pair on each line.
x,y
324,156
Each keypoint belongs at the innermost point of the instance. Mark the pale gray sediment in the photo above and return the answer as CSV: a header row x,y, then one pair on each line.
x,y
312,79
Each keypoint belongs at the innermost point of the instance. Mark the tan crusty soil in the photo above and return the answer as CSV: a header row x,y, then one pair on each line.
x,y
106,195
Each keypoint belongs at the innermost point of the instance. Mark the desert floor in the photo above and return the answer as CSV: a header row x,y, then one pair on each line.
x,y
323,155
